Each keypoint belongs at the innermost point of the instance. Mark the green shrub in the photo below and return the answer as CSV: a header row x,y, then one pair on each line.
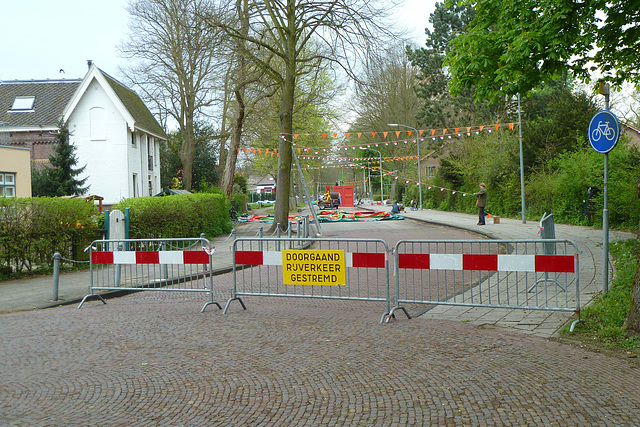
x,y
33,229
179,216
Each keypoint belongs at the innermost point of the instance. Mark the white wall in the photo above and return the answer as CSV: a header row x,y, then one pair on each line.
x,y
103,141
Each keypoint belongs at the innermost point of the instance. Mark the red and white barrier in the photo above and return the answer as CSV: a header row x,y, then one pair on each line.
x,y
526,263
150,257
352,259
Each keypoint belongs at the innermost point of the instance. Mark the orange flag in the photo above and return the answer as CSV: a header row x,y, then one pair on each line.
x,y
409,132
510,126
324,135
468,129
385,134
420,132
373,134
457,130
497,126
444,131
397,134
335,135
433,132
359,133
348,135
295,136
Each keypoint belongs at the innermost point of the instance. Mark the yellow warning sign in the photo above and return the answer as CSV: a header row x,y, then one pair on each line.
x,y
322,267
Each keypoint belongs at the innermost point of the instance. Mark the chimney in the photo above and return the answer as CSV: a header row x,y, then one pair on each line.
x,y
89,63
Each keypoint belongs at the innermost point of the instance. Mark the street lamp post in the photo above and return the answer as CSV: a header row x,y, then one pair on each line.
x,y
418,147
380,154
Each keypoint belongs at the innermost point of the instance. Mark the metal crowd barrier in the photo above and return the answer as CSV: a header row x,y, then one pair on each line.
x,y
346,269
517,274
183,265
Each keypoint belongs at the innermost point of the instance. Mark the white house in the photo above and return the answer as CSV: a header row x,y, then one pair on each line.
x,y
116,136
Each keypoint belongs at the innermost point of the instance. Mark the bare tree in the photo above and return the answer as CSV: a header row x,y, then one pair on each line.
x,y
299,35
174,63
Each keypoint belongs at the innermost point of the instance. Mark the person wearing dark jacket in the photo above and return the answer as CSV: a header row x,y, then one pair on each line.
x,y
481,203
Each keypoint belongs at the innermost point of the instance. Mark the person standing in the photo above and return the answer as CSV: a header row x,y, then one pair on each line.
x,y
481,202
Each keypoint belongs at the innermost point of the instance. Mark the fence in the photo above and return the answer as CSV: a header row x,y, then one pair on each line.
x,y
487,273
152,264
347,269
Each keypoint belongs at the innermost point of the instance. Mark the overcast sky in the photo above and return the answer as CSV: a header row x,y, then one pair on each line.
x,y
38,38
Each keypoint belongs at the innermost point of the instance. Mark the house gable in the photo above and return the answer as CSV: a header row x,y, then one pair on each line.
x,y
126,101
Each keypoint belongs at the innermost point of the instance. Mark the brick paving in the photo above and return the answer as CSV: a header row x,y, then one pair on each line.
x,y
147,359
152,359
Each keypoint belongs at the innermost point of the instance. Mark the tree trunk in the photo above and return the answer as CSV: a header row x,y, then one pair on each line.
x,y
186,153
281,214
232,157
632,322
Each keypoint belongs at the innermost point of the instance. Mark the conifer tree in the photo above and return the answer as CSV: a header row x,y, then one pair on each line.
x,y
62,178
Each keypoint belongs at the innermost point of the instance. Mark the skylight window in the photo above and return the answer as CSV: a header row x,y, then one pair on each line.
x,y
23,103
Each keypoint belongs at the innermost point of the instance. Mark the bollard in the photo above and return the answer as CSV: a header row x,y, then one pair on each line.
x,y
234,234
56,274
119,267
165,267
260,235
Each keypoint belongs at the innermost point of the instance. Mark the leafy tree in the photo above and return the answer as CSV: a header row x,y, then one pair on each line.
x,y
175,66
204,170
299,36
556,119
513,47
440,108
61,179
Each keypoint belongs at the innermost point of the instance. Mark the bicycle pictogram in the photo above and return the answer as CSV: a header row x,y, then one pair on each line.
x,y
605,130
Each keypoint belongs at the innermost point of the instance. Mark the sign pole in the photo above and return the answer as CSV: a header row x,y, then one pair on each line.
x,y
605,228
605,207
604,133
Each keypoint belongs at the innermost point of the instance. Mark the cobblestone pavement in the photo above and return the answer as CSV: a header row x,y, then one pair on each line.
x,y
151,359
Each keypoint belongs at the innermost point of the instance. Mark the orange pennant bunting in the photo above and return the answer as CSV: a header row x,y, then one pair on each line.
x,y
397,134
373,134
348,135
497,126
433,132
324,135
510,126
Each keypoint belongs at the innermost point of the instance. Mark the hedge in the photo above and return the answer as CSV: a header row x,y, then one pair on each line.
x,y
33,229
178,216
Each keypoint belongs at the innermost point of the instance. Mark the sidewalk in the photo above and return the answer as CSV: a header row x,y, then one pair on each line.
x,y
535,322
37,292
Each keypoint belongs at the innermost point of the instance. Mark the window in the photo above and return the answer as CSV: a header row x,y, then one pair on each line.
x,y
133,140
431,171
7,184
135,185
23,103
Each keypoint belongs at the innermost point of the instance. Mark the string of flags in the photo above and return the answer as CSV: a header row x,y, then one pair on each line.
x,y
434,134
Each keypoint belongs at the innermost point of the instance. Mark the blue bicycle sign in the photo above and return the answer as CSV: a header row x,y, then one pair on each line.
x,y
604,131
